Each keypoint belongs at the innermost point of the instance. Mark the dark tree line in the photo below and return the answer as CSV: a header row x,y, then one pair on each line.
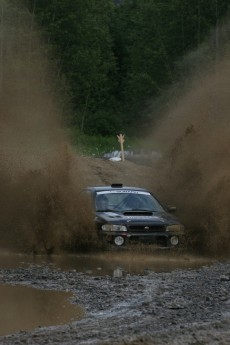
x,y
112,56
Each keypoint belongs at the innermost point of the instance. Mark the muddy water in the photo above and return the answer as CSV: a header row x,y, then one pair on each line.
x,y
122,263
24,308
108,263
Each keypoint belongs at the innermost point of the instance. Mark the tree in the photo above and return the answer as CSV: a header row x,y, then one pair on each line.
x,y
116,55
151,36
79,34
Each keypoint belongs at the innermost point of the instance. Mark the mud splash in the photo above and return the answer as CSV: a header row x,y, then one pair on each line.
x,y
194,138
39,193
40,178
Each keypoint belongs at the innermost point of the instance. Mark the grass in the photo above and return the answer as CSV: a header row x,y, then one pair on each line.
x,y
98,145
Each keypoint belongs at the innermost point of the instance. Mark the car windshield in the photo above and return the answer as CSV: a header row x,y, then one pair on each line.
x,y
126,200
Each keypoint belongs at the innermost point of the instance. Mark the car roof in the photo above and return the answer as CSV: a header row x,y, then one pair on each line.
x,y
114,187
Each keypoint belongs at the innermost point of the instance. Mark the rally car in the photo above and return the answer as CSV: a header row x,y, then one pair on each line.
x,y
128,214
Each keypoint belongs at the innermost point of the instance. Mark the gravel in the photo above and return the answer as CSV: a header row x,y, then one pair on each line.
x,y
182,307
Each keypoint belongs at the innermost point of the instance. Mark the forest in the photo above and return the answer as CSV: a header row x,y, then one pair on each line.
x,y
116,59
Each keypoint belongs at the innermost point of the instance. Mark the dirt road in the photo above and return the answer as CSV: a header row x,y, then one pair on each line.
x,y
99,171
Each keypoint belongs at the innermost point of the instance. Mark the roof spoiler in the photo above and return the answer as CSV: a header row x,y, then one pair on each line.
x,y
116,185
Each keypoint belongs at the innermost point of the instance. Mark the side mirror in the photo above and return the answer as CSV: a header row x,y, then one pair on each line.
x,y
171,208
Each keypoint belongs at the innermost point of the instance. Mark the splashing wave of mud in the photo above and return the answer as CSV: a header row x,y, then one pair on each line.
x,y
38,191
195,139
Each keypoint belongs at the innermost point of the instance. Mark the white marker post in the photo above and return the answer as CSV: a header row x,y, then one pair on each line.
x,y
121,139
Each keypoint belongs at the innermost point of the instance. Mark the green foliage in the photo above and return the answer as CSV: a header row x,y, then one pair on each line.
x,y
92,145
79,34
97,145
113,57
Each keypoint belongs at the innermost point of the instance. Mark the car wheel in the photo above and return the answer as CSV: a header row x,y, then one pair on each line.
x,y
119,241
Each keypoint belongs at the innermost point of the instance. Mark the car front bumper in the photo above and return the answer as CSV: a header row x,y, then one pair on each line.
x,y
164,239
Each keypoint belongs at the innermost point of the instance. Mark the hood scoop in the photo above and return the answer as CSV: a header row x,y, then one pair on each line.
x,y
137,213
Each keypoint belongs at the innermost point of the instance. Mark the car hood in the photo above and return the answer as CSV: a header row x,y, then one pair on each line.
x,y
134,217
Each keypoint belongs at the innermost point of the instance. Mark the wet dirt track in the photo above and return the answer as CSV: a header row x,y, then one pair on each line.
x,y
186,306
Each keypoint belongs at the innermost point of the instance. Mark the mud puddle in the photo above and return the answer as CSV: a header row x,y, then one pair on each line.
x,y
123,263
24,308
115,263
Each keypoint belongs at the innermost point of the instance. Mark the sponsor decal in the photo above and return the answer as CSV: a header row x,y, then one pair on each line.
x,y
122,192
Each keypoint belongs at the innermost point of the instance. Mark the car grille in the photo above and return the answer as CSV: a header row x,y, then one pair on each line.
x,y
146,228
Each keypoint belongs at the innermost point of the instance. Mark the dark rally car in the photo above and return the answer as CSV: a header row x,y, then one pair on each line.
x,y
130,214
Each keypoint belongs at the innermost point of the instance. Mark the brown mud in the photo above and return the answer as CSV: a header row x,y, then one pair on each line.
x,y
41,178
182,307
21,309
195,141
38,194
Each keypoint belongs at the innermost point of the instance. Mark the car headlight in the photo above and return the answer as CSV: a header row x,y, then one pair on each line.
x,y
113,227
174,240
176,229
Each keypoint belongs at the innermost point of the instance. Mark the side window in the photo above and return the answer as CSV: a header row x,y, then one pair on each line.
x,y
102,202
